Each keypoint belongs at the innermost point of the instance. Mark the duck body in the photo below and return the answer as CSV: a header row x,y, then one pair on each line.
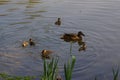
x,y
72,37
31,42
46,53
25,43
58,22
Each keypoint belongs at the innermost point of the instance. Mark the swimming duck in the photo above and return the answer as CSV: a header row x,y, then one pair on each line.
x,y
46,53
83,47
25,43
72,37
58,77
58,22
31,42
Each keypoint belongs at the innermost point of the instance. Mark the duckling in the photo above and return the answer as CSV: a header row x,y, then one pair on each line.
x,y
72,37
83,47
31,42
58,77
25,43
46,53
58,22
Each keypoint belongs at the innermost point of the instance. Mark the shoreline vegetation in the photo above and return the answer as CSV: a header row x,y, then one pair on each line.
x,y
51,72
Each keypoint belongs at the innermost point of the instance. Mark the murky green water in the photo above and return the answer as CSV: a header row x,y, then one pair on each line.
x,y
23,19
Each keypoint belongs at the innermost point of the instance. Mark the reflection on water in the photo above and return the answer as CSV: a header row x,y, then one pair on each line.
x,y
2,2
24,19
20,23
34,1
12,9
3,14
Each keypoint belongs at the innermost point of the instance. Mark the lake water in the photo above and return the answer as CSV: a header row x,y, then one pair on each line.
x,y
99,20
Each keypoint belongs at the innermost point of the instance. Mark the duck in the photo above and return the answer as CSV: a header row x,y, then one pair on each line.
x,y
83,47
58,77
25,43
31,42
72,37
46,53
58,22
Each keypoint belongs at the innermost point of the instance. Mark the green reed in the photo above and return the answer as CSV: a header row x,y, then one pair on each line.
x,y
50,69
69,68
115,74
71,47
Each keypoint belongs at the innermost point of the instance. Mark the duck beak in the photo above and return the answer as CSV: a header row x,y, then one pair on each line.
x,y
82,33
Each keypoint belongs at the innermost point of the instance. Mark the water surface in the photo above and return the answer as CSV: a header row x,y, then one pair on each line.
x,y
99,20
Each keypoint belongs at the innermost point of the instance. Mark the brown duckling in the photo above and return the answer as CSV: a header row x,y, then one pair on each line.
x,y
72,37
58,22
31,42
46,53
25,43
58,77
83,47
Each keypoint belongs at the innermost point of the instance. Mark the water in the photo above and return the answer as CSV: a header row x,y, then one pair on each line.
x,y
98,19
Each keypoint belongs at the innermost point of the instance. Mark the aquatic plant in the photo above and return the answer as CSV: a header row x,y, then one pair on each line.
x,y
69,68
4,76
71,47
95,78
50,69
115,74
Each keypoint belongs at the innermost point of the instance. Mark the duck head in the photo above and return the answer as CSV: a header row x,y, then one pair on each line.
x,y
30,40
45,54
80,33
44,51
59,19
